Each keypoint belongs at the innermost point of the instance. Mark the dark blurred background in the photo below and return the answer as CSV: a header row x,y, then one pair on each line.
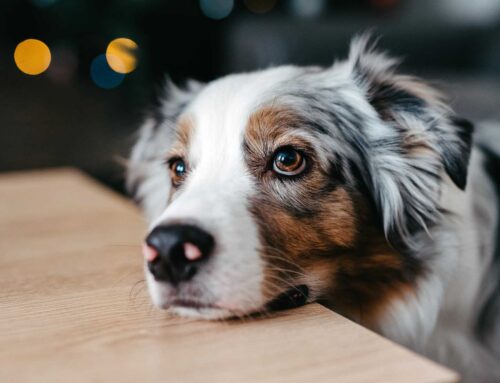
x,y
68,115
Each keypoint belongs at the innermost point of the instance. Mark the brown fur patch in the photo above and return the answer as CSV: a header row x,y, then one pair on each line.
x,y
368,279
317,230
183,134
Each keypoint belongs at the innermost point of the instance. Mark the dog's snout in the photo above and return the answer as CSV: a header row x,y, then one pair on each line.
x,y
174,253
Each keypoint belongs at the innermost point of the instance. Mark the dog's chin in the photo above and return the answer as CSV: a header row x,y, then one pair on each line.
x,y
205,313
199,310
196,309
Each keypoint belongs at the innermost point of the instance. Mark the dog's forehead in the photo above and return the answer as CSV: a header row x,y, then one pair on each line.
x,y
220,113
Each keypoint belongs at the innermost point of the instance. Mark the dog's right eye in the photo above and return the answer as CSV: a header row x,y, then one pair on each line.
x,y
178,170
288,162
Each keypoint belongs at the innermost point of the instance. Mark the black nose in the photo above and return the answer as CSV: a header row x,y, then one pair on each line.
x,y
182,249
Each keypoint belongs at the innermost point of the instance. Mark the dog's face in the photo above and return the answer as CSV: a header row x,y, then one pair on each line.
x,y
270,189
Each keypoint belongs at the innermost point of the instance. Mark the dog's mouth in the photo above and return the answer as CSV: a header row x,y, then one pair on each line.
x,y
295,297
192,304
292,298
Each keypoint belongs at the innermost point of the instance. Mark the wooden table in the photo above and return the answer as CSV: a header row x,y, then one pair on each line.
x,y
73,307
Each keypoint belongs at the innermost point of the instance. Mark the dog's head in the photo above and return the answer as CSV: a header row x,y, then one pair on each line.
x,y
273,188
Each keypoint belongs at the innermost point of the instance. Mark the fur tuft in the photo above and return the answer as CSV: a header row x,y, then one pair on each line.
x,y
420,139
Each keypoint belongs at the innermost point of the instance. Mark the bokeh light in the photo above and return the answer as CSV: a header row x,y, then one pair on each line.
x,y
32,56
121,55
102,74
307,8
260,6
216,9
481,13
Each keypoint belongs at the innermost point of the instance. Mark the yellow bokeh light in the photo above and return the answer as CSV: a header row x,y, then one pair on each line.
x,y
121,55
32,56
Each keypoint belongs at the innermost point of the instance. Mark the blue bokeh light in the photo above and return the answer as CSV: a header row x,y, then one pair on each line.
x,y
102,75
307,8
216,9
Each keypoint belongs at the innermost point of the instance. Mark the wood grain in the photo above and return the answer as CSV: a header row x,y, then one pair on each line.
x,y
73,307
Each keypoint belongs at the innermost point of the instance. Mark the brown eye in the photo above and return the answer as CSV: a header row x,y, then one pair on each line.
x,y
178,170
288,161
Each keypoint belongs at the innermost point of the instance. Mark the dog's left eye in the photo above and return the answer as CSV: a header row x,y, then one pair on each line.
x,y
288,161
178,170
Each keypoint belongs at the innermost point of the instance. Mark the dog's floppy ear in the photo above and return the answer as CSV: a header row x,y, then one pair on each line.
x,y
147,177
418,139
455,141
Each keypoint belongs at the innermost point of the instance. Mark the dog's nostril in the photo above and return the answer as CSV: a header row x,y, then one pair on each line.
x,y
175,253
150,253
191,252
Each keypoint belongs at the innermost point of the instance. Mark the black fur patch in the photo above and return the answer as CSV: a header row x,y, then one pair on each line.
x,y
294,297
387,97
456,161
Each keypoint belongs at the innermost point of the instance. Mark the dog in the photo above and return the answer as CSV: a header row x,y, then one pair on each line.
x,y
352,185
